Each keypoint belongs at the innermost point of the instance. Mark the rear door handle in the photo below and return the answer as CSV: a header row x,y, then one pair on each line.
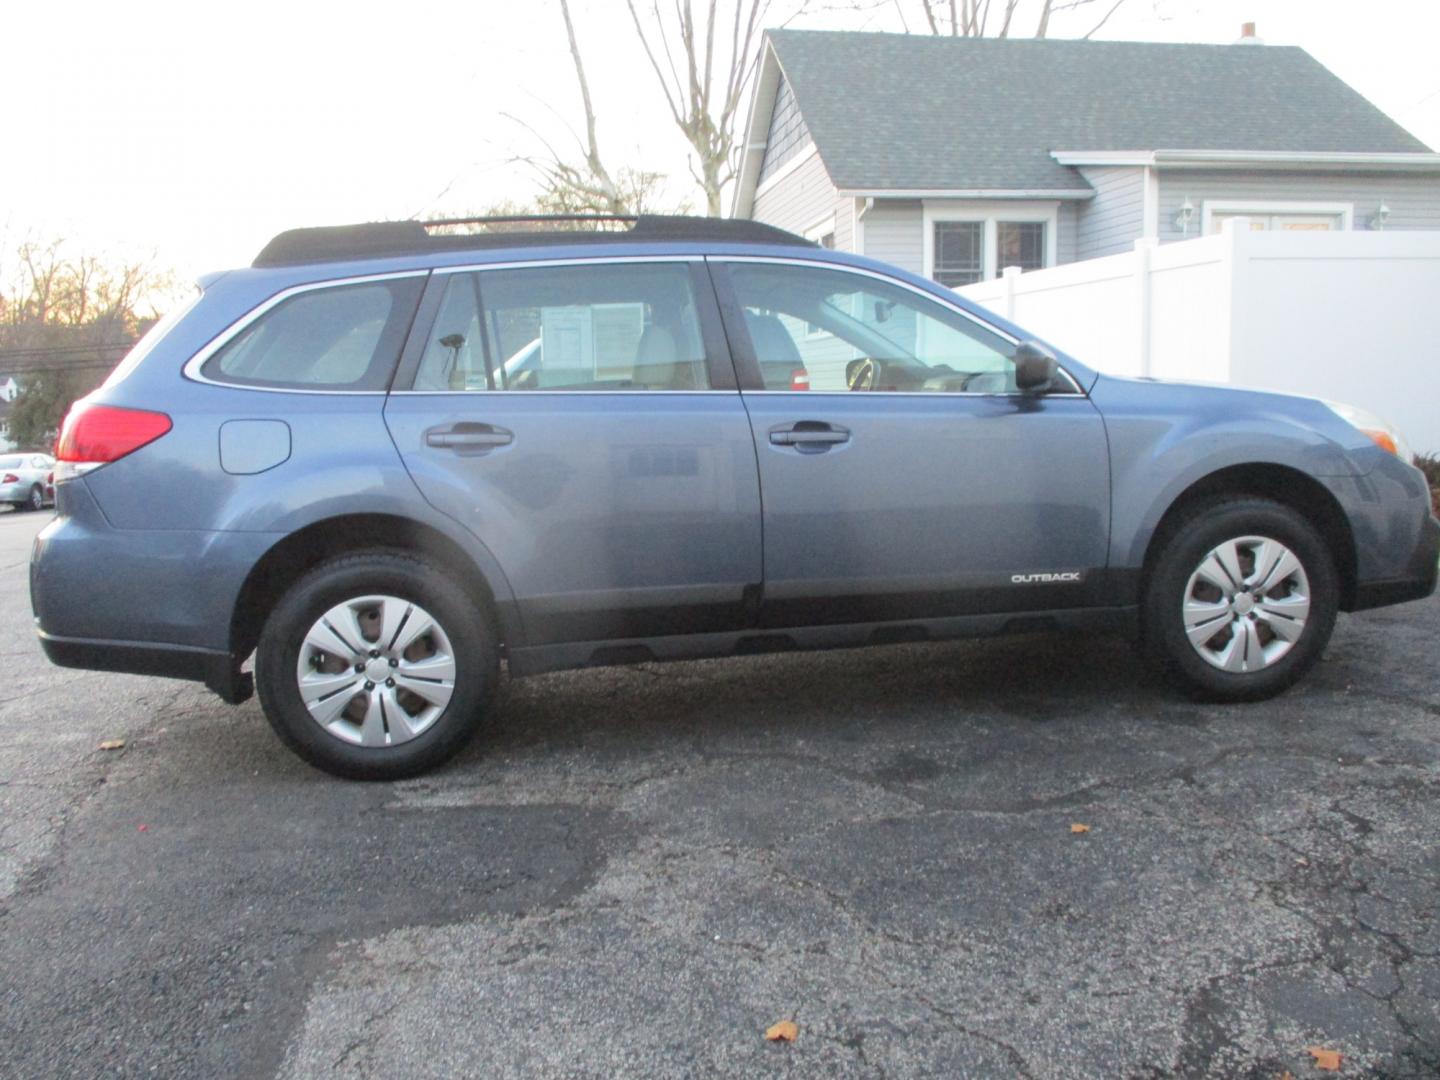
x,y
809,436
469,436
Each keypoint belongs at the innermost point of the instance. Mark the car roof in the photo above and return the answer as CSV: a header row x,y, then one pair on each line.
x,y
386,239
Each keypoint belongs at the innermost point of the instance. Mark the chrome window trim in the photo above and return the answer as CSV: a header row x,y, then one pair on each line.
x,y
934,395
864,271
556,393
192,367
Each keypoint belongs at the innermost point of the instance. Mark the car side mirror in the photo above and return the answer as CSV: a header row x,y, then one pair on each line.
x,y
1035,367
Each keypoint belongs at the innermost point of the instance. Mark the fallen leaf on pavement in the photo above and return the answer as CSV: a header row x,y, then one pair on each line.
x,y
144,828
1329,1060
1076,827
1287,1075
112,744
784,1031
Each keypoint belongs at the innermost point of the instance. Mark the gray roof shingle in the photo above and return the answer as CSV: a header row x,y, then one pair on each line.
x,y
896,111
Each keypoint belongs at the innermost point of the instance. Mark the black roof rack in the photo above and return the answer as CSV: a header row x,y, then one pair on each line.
x,y
334,243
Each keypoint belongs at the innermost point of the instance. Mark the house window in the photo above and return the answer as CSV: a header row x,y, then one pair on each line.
x,y
1260,222
1274,215
1020,243
959,252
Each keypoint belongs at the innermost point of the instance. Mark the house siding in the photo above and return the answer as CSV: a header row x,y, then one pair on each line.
x,y
788,134
894,233
845,211
1413,198
1067,238
799,200
1114,219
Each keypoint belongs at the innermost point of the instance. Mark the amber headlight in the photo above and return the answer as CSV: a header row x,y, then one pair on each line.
x,y
1386,436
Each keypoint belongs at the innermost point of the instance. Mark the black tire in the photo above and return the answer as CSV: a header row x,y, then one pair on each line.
x,y
1184,546
409,578
37,498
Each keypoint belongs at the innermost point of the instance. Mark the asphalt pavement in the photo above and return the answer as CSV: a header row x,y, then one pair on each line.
x,y
1016,857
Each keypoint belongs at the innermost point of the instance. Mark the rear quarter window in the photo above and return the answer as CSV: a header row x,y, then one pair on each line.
x,y
341,337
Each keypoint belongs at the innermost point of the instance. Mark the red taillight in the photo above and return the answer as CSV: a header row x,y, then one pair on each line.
x,y
799,379
9,478
96,434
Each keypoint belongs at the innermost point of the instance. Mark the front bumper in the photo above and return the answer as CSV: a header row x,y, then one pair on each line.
x,y
1416,583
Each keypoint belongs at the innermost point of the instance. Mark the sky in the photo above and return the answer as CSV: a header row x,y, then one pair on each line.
x,y
189,133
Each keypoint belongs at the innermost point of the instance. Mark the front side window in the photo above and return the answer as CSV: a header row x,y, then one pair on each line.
x,y
605,326
877,336
343,337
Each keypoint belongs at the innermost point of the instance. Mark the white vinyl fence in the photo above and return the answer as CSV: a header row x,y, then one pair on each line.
x,y
1348,316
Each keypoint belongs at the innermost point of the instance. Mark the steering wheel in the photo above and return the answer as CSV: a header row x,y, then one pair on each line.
x,y
864,376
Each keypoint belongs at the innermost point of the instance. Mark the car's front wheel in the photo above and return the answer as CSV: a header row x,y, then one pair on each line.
x,y
376,666
1240,600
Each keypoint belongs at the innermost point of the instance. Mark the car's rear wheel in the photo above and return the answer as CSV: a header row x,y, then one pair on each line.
x,y
1241,600
37,498
376,666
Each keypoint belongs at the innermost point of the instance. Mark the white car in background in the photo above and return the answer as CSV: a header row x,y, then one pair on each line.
x,y
27,481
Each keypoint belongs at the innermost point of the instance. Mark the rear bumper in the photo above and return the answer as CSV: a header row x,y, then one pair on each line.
x,y
1416,583
216,668
155,602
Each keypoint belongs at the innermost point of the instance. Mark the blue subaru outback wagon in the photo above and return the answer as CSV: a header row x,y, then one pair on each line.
x,y
384,458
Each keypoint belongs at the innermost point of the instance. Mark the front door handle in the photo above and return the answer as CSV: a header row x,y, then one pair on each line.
x,y
809,436
469,436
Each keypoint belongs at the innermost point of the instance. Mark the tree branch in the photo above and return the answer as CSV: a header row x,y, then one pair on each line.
x,y
1095,29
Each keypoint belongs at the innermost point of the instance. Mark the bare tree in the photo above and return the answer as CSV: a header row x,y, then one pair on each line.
x,y
583,185
704,66
704,69
65,321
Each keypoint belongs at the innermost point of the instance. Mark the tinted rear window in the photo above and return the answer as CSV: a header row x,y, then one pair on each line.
x,y
346,337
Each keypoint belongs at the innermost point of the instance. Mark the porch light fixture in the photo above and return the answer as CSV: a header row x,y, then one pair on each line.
x,y
1183,216
1377,219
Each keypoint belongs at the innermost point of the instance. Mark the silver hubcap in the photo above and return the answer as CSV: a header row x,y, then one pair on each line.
x,y
376,671
1246,604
